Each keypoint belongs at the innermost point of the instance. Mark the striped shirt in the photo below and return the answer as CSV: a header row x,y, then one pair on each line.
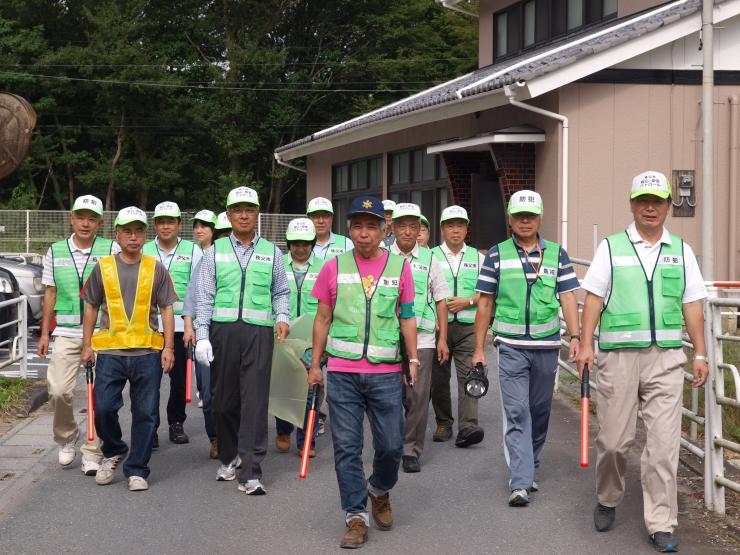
x,y
488,285
205,285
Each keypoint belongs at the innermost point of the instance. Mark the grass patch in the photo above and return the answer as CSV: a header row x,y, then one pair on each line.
x,y
12,393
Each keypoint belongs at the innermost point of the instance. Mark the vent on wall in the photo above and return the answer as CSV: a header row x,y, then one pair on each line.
x,y
683,193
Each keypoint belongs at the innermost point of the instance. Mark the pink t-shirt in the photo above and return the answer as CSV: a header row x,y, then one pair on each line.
x,y
325,290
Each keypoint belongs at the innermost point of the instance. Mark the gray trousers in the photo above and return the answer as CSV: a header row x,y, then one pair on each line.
x,y
526,378
240,389
417,405
461,341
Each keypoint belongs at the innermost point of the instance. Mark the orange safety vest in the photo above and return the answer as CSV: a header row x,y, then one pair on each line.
x,y
123,333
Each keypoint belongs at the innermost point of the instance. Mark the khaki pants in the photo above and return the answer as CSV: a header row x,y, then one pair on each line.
x,y
651,380
417,405
61,378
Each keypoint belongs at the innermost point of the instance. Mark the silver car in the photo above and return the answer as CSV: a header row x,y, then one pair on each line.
x,y
28,276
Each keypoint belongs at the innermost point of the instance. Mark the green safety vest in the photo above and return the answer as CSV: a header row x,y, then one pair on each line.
x,y
362,327
463,284
641,312
523,307
423,305
301,301
68,282
180,266
336,247
244,294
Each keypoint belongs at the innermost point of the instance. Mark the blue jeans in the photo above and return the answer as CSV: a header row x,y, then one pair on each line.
x,y
144,373
350,396
203,378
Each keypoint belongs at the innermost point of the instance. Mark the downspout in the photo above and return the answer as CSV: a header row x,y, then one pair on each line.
x,y
291,166
707,123
511,96
733,187
452,5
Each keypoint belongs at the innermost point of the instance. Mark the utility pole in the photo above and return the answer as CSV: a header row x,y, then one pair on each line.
x,y
707,120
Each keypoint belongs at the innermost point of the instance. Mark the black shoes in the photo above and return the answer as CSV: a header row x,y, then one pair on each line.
x,y
604,517
410,464
664,542
469,436
177,434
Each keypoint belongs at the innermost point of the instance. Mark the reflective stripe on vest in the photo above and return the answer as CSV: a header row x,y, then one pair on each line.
x,y
69,307
122,332
423,305
336,247
524,308
463,284
247,293
301,301
179,268
362,327
641,312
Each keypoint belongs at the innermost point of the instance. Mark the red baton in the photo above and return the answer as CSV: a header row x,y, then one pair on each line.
x,y
189,375
89,378
309,433
585,397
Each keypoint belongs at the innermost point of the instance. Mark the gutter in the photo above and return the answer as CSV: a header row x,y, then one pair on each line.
x,y
452,5
511,96
280,162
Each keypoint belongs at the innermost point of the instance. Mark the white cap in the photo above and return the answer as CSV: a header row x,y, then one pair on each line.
x,y
650,183
222,221
403,209
300,229
88,202
167,208
525,201
388,205
131,214
319,204
205,216
242,194
454,212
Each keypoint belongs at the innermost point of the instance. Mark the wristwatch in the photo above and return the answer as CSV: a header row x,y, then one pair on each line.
x,y
574,336
701,357
470,301
416,360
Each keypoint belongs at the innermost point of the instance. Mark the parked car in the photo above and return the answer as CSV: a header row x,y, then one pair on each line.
x,y
8,290
28,276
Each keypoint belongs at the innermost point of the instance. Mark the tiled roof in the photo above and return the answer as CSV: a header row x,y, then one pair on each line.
x,y
607,35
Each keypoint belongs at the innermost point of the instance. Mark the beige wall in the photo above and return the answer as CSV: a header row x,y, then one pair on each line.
x,y
629,7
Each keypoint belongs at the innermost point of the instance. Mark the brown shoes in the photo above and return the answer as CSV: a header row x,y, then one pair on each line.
x,y
214,449
442,433
282,442
382,514
356,534
311,453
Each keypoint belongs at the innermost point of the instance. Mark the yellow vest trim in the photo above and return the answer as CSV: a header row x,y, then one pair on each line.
x,y
123,333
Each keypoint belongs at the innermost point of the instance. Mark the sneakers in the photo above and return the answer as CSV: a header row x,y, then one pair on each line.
x,y
381,509
664,542
214,449
137,483
469,436
89,468
200,403
107,468
535,487
442,433
604,517
519,498
67,451
322,424
356,534
282,442
227,472
410,464
177,434
253,487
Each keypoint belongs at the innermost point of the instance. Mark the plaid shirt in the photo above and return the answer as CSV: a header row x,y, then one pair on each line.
x,y
205,286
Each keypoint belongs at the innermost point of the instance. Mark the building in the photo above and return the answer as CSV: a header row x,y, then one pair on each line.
x,y
572,98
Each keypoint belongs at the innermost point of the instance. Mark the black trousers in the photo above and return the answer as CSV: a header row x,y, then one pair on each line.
x,y
176,402
240,391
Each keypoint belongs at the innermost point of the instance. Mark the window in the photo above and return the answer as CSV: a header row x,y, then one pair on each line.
x,y
529,23
575,14
501,26
349,180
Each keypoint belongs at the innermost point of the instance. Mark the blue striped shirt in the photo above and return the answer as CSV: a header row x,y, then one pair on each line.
x,y
488,284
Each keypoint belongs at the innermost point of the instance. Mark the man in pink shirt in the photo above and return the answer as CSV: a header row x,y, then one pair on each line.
x,y
366,306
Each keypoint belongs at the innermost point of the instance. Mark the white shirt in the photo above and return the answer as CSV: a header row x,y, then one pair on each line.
x,y
165,257
80,257
599,275
454,260
438,289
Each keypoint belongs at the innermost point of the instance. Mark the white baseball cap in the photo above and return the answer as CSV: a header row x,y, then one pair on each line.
x,y
388,205
167,208
88,202
525,201
131,214
424,220
651,183
319,204
454,212
300,229
222,222
242,194
205,216
403,209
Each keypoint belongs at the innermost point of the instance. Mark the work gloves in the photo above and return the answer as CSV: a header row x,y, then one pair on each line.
x,y
204,352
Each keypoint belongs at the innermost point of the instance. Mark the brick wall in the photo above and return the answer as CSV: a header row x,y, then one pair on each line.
x,y
515,163
460,166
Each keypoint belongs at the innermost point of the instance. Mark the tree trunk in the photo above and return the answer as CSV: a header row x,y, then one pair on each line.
x,y
110,194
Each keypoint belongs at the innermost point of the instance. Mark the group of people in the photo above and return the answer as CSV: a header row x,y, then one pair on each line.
x,y
390,316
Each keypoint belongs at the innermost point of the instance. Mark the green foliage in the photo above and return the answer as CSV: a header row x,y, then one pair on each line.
x,y
143,101
12,390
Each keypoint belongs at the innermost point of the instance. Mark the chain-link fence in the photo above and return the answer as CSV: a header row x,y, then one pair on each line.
x,y
32,231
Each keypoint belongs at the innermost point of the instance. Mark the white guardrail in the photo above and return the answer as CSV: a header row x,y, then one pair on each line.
x,y
16,345
711,445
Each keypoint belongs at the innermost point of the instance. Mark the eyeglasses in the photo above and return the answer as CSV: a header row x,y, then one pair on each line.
x,y
242,210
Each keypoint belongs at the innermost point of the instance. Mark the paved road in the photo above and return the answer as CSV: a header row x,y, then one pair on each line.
x,y
457,504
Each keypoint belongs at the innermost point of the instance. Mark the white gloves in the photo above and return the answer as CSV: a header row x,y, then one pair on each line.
x,y
204,352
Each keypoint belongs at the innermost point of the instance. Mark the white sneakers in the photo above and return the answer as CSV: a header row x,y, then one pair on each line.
x,y
137,483
227,472
67,451
89,468
107,469
253,487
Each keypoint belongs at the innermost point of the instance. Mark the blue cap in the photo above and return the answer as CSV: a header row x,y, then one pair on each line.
x,y
367,204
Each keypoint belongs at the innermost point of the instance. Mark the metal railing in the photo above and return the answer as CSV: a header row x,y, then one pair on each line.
x,y
16,345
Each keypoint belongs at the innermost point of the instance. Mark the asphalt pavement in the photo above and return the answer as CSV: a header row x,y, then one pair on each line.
x,y
457,504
